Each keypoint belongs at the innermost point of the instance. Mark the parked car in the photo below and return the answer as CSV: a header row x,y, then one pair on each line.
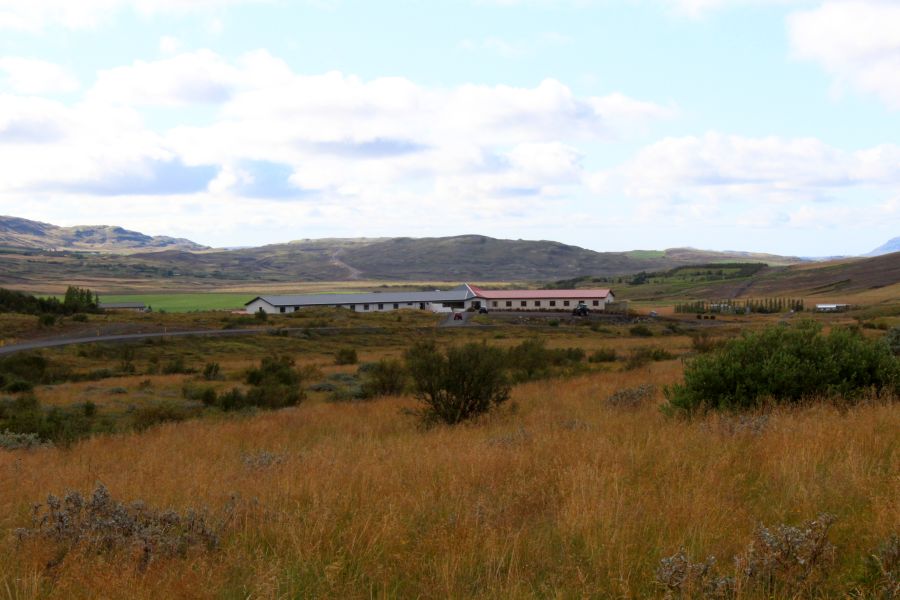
x,y
482,311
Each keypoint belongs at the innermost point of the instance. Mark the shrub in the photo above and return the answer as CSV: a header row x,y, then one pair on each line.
x,y
786,364
459,384
603,355
893,340
102,524
633,397
387,378
47,320
261,316
20,441
80,318
645,355
641,331
211,371
175,366
157,414
531,359
346,356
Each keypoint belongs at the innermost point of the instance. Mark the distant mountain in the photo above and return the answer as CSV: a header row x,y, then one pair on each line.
x,y
131,259
22,233
892,246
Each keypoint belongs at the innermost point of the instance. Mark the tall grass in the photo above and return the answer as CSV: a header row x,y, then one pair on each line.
x,y
557,494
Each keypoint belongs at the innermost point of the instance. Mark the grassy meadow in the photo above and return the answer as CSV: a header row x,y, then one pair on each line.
x,y
565,491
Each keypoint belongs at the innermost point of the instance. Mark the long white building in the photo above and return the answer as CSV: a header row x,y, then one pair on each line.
x,y
459,298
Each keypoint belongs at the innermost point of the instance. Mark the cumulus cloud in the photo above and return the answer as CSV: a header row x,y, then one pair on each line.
x,y
32,76
751,181
856,41
34,15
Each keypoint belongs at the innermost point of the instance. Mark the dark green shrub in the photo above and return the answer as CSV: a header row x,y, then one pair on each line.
x,y
175,366
786,364
157,414
211,371
261,316
531,359
47,320
387,378
893,340
458,384
603,355
645,355
346,356
641,331
80,318
205,394
275,383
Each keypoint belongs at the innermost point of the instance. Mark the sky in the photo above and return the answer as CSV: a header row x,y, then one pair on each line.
x,y
759,125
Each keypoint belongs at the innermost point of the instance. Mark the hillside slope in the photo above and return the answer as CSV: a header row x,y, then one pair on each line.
x,y
887,248
22,233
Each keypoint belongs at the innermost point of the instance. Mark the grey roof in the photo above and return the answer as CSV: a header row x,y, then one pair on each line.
x,y
457,294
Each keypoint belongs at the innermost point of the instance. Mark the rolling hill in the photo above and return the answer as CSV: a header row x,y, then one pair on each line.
x,y
22,233
887,248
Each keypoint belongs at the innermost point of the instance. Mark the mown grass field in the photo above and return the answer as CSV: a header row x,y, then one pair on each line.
x,y
561,493
184,302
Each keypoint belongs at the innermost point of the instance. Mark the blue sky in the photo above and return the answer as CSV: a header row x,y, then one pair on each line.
x,y
765,125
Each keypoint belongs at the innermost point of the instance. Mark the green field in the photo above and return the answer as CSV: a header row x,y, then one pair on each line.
x,y
183,302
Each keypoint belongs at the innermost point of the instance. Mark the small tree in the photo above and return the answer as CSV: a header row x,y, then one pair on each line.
x,y
893,340
459,384
387,377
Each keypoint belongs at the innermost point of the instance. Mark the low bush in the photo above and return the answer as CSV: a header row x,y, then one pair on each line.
x,y
893,340
176,366
786,364
603,355
644,355
387,378
531,360
156,414
102,525
212,371
641,331
346,356
458,384
20,441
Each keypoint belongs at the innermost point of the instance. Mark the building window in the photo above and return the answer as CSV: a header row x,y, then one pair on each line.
x,y
353,307
296,308
553,303
509,303
596,303
396,306
365,307
537,302
523,303
282,309
565,302
381,307
494,304
409,303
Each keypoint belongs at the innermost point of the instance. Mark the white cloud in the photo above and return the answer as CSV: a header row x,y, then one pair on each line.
x,y
34,15
169,44
856,41
32,76
752,181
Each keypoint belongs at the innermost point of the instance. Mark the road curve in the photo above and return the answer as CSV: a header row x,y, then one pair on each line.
x,y
127,337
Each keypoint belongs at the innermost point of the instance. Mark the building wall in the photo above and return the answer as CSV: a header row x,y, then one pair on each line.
x,y
254,307
543,304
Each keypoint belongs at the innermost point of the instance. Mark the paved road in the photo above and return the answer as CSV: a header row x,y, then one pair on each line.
x,y
126,337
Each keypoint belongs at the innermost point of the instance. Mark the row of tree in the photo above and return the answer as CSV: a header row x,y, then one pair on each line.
x,y
76,300
751,305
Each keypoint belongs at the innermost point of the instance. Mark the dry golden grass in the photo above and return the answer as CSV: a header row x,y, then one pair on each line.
x,y
556,495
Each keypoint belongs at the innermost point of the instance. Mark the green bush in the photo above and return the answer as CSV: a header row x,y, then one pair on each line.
x,y
786,364
893,340
346,356
211,371
458,384
157,414
386,378
603,355
531,359
641,331
645,355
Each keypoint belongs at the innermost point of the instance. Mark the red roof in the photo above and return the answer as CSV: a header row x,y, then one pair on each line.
x,y
539,294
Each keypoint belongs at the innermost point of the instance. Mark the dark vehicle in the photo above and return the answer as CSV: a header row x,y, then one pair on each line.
x,y
482,311
581,311
457,316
